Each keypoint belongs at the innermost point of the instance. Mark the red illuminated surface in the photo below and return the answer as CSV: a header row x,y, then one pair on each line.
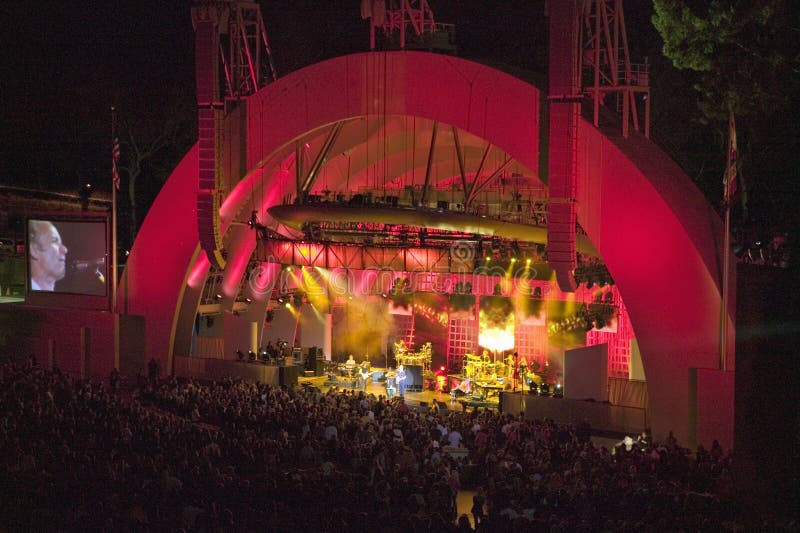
x,y
652,227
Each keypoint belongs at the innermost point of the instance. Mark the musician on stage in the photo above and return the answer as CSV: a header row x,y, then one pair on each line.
x,y
400,379
390,384
511,361
462,389
523,371
364,374
350,365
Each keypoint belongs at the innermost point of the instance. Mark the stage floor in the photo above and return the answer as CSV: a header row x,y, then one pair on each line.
x,y
609,423
416,399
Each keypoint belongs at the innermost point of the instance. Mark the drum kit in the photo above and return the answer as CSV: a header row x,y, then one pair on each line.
x,y
348,372
421,358
347,375
483,368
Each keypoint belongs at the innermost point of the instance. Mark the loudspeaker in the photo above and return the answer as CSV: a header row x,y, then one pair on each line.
x,y
413,378
287,375
311,358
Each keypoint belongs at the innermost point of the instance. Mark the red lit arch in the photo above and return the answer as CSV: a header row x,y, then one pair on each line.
x,y
652,227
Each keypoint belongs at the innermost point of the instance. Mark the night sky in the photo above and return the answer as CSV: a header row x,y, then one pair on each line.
x,y
66,63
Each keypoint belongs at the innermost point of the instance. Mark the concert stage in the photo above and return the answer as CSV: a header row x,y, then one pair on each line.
x,y
601,416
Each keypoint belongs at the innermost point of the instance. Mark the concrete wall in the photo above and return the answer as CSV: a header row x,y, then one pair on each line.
x,y
80,343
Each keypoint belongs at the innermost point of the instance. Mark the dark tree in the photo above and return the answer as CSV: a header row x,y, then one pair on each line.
x,y
743,56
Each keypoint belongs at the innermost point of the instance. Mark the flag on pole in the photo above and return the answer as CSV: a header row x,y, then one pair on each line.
x,y
730,168
115,163
115,151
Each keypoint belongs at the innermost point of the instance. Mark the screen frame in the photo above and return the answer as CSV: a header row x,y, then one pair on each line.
x,y
69,299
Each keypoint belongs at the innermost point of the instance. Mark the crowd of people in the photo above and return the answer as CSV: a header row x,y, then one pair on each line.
x,y
177,454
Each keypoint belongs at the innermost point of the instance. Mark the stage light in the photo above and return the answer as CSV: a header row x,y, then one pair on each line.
x,y
288,269
384,295
513,259
528,260
240,355
288,305
248,300
218,296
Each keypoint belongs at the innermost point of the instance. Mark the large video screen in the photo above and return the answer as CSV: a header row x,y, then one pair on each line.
x,y
67,256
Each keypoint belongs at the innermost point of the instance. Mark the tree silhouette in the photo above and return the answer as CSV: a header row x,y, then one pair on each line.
x,y
741,56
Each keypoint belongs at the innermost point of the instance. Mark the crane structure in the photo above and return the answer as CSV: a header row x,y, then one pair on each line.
x,y
404,19
588,57
606,65
232,61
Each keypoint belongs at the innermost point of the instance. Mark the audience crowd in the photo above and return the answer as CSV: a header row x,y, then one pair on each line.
x,y
234,455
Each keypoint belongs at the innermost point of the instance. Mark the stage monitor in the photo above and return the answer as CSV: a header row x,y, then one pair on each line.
x,y
67,255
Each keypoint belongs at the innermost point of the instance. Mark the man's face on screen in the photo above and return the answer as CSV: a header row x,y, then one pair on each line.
x,y
48,253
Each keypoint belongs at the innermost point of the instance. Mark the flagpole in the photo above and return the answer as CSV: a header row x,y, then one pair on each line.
x,y
729,186
723,341
114,185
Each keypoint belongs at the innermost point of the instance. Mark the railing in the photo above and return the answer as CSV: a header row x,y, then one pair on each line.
x,y
526,206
